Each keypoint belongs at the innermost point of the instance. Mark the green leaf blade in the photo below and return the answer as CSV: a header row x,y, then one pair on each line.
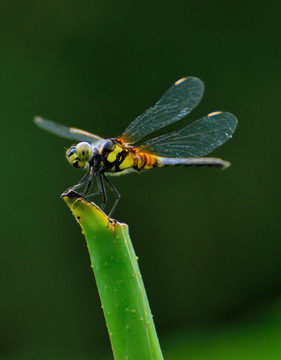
x,y
120,285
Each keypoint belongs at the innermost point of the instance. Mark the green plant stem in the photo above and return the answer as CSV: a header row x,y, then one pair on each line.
x,y
124,301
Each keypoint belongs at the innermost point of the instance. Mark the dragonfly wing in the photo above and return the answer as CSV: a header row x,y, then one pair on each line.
x,y
66,132
178,101
196,139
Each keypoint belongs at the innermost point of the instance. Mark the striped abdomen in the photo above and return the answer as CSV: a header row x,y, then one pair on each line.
x,y
144,161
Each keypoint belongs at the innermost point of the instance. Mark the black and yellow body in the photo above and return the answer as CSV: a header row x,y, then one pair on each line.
x,y
115,156
119,157
111,156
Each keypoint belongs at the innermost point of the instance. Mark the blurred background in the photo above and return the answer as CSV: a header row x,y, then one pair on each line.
x,y
208,241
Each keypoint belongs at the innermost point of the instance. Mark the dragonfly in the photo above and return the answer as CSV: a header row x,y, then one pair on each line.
x,y
102,157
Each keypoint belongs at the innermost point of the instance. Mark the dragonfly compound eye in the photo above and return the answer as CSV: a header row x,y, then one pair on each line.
x,y
84,151
79,155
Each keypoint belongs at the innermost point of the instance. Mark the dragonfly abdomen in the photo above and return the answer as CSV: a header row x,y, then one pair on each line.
x,y
145,161
208,162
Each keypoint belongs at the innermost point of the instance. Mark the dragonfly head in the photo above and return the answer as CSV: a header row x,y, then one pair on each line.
x,y
79,155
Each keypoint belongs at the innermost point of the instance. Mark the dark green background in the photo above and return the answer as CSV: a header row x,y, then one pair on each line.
x,y
208,241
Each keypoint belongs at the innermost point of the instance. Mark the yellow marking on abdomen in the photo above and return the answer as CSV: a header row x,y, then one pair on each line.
x,y
144,161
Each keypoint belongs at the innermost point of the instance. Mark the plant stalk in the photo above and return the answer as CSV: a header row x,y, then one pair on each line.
x,y
124,301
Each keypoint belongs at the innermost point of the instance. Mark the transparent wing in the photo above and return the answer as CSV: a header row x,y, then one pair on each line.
x,y
66,132
178,101
196,139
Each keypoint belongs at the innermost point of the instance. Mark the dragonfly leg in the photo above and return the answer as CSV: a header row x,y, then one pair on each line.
x,y
101,190
82,182
88,182
117,194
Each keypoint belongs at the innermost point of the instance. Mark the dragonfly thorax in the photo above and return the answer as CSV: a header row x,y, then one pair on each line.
x,y
111,154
